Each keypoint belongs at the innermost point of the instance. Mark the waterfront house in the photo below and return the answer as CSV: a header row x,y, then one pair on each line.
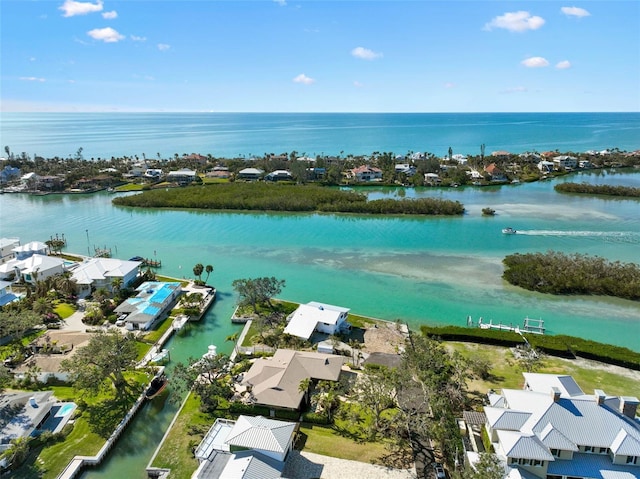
x,y
366,173
250,174
154,300
7,245
553,430
29,249
275,381
545,166
432,179
320,317
495,173
183,176
405,168
565,162
250,447
9,173
95,273
37,268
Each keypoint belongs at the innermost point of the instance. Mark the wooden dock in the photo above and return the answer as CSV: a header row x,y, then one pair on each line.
x,y
529,325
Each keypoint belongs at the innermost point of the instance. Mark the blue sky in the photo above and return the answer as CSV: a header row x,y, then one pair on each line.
x,y
326,56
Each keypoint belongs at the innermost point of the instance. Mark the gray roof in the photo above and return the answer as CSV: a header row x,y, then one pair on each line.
x,y
554,439
261,433
474,418
518,445
500,418
593,466
544,382
19,417
252,465
625,444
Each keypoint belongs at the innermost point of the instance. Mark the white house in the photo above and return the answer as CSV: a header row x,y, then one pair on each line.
x,y
7,245
6,293
183,176
250,447
314,316
553,430
546,166
37,268
279,175
29,249
250,174
96,273
154,299
405,168
366,173
565,162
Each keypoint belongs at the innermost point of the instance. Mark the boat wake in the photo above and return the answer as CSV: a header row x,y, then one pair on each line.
x,y
609,236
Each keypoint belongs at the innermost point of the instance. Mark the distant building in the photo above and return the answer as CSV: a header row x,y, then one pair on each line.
x,y
183,176
7,246
496,173
9,173
250,174
279,175
366,173
565,162
405,168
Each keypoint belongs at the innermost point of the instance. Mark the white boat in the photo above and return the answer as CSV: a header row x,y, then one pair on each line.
x,y
509,231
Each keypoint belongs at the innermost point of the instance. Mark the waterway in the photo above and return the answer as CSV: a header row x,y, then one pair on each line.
x,y
419,270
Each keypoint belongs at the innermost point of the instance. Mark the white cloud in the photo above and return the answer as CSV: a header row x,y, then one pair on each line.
x,y
107,35
516,89
72,8
516,22
136,38
357,84
33,79
163,47
535,62
304,79
365,53
563,65
575,12
110,15
282,3
449,85
32,59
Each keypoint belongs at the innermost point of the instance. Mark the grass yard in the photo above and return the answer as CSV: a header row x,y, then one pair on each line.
x,y
153,336
327,441
187,432
589,375
64,310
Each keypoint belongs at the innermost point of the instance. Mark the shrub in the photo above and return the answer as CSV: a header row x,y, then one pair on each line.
x,y
315,418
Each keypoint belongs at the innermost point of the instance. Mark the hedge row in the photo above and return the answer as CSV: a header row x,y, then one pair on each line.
x,y
255,410
554,345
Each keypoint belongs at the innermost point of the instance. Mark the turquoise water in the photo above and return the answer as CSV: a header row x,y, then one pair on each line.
x,y
246,134
65,409
420,270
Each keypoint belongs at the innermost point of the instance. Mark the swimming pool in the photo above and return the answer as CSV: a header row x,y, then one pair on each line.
x,y
65,409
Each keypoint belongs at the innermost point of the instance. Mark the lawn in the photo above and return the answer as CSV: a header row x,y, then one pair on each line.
x,y
177,451
329,442
153,336
129,187
589,375
64,310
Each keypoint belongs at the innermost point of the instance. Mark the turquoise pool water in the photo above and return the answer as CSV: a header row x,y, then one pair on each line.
x,y
65,409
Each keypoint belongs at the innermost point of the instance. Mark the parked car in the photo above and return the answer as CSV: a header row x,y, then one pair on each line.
x,y
439,471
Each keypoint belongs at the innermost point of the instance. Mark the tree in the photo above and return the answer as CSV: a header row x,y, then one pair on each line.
x,y
102,364
209,270
15,323
376,391
487,467
207,377
257,291
66,285
116,284
197,270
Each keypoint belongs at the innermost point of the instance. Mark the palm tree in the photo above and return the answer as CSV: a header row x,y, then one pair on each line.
x,y
209,270
197,270
234,339
66,285
116,284
42,306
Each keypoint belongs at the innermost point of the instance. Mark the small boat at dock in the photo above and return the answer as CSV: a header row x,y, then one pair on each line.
x,y
158,384
508,231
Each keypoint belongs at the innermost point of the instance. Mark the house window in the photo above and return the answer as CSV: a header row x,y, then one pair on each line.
x,y
632,459
602,450
555,452
588,449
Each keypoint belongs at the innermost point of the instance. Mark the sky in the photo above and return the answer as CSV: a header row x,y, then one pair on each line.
x,y
320,56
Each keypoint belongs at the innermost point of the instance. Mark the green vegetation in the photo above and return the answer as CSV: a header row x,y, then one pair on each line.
x,y
558,273
294,198
608,190
329,442
503,372
129,187
190,427
560,345
64,310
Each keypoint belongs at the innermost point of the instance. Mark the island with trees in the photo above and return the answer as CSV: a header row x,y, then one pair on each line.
x,y
606,190
285,198
558,273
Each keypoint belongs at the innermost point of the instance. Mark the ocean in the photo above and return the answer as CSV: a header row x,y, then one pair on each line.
x,y
245,135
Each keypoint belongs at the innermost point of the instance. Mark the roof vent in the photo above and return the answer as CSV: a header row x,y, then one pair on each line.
x,y
600,396
555,393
